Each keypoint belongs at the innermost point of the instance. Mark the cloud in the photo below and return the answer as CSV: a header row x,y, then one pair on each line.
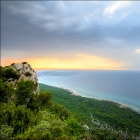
x,y
54,28
110,10
137,51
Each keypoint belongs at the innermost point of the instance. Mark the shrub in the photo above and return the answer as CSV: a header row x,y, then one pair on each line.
x,y
44,99
19,118
6,132
41,132
12,64
27,74
8,72
24,62
57,131
61,111
24,92
6,91
1,68
75,128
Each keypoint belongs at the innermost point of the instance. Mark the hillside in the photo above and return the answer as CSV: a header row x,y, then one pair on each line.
x,y
104,113
27,113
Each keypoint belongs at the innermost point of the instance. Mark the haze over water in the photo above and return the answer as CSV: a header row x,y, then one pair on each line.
x,y
118,86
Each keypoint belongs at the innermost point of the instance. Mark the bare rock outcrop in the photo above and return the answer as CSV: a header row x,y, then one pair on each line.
x,y
26,72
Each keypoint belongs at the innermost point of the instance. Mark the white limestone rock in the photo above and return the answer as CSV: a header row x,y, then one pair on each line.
x,y
26,73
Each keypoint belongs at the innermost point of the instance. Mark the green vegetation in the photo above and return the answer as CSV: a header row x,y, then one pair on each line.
x,y
12,64
24,91
27,74
24,62
97,112
26,115
6,91
8,73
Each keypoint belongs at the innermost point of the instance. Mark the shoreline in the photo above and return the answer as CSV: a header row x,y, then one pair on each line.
x,y
74,93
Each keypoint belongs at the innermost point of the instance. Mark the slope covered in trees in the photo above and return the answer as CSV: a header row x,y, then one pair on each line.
x,y
25,114
101,113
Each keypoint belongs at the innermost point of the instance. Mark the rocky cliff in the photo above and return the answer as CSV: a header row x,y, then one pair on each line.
x,y
25,71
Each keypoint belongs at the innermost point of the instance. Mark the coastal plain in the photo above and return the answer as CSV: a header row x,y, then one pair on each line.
x,y
116,115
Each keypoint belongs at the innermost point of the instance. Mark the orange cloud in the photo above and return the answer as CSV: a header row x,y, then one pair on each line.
x,y
77,61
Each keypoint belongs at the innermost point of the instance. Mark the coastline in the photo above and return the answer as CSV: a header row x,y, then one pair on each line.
x,y
120,104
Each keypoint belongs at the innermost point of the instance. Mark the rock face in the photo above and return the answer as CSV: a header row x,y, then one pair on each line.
x,y
26,72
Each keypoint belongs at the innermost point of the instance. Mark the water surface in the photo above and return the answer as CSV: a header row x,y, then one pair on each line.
x,y
119,86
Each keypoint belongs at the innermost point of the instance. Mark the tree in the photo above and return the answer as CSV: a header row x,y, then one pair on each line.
x,y
6,91
25,91
44,98
18,117
8,72
6,132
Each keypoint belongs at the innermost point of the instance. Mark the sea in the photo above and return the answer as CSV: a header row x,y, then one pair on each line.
x,y
122,86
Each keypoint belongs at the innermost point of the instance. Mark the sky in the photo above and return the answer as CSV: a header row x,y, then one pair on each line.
x,y
75,35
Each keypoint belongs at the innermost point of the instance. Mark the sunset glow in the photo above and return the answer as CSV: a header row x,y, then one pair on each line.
x,y
83,35
78,62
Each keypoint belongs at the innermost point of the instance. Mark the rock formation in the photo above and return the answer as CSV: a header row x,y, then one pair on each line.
x,y
26,72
